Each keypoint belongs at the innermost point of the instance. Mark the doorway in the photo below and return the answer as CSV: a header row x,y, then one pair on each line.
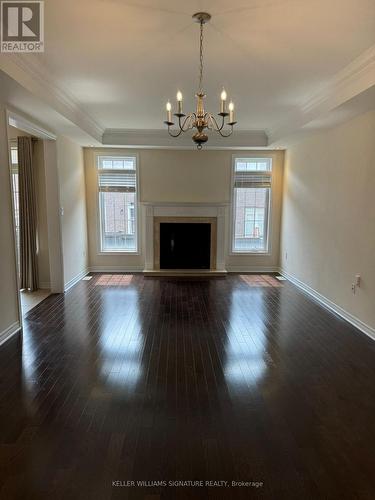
x,y
29,298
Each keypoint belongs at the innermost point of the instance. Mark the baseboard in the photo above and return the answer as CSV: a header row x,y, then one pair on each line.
x,y
9,332
353,320
75,280
115,269
252,269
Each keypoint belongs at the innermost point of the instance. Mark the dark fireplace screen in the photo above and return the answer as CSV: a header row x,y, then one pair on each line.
x,y
185,245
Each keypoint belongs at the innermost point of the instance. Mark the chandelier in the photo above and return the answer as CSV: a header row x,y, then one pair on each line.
x,y
201,119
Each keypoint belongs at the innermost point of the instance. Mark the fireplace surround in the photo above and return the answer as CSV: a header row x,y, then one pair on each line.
x,y
194,225
185,213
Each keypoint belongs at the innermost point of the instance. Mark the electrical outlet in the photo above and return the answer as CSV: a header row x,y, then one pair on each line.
x,y
353,288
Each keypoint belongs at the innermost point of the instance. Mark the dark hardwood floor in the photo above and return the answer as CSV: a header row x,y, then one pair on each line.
x,y
138,379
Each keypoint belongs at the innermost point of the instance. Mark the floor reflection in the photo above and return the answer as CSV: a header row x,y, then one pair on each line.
x,y
261,280
121,340
246,349
28,362
114,280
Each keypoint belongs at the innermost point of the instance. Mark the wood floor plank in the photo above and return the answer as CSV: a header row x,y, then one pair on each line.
x,y
127,378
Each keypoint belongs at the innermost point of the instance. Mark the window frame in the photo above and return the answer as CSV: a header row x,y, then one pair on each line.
x,y
268,222
100,250
14,170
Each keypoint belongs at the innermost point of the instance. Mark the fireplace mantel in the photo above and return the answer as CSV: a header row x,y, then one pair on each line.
x,y
186,210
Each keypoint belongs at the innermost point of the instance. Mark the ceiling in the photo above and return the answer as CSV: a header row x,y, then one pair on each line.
x,y
119,61
39,113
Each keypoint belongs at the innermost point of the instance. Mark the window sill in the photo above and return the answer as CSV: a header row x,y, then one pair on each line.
x,y
119,252
262,253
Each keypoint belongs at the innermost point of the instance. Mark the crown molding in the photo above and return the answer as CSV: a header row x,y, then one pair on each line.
x,y
29,72
20,121
159,138
354,79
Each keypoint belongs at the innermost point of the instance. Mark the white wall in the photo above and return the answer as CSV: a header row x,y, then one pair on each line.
x,y
328,222
54,221
73,204
9,311
183,176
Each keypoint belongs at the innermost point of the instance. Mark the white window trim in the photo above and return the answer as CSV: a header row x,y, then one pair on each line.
x,y
99,251
268,250
13,166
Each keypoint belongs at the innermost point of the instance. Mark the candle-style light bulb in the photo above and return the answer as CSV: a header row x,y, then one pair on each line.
x,y
179,102
223,97
231,112
169,112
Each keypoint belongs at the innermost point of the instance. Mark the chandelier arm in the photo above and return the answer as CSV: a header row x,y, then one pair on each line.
x,y
216,126
228,134
210,124
219,129
174,135
222,122
187,121
181,126
193,118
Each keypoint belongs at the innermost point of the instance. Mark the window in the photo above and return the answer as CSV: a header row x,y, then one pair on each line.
x,y
254,222
251,204
16,194
14,155
117,182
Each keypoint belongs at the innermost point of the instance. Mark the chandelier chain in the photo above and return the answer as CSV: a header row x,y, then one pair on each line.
x,y
201,58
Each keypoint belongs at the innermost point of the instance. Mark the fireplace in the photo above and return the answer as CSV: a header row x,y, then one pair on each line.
x,y
195,262
185,243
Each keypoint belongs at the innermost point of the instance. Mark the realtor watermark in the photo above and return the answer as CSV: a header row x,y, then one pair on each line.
x,y
22,26
190,483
